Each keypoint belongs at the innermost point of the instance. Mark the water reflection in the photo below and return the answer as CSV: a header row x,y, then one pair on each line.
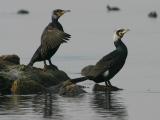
x,y
45,105
14,105
109,105
49,106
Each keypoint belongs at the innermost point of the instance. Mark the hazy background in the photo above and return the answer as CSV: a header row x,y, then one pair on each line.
x,y
92,27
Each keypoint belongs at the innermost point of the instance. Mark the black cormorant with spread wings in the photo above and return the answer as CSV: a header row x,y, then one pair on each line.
x,y
52,37
107,67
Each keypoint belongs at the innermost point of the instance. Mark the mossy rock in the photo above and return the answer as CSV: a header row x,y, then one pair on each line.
x,y
69,89
22,79
5,85
27,87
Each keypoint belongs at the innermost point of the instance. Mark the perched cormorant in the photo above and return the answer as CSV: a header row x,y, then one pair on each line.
x,y
113,8
107,67
52,37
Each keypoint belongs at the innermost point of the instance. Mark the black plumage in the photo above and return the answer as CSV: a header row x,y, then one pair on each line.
x,y
107,67
52,37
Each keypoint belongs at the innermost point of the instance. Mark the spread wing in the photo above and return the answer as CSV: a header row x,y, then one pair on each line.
x,y
52,38
104,64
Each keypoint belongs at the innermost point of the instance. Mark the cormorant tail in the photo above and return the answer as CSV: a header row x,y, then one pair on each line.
x,y
80,79
36,57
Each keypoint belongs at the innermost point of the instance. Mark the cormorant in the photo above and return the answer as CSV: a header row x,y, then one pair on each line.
x,y
107,67
52,37
109,8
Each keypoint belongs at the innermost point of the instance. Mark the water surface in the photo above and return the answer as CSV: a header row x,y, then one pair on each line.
x,y
91,27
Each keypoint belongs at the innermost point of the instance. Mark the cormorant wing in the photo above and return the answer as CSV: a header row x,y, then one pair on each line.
x,y
52,38
105,63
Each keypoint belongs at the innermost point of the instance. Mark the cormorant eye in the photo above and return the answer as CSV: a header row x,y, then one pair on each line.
x,y
59,11
56,12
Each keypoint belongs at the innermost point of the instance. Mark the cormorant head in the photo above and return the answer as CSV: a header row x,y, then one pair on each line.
x,y
58,13
119,34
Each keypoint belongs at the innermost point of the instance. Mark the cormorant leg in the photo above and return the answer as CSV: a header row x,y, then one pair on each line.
x,y
45,64
106,82
52,64
109,83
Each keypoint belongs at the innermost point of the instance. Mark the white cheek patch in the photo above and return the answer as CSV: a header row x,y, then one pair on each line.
x,y
105,74
115,37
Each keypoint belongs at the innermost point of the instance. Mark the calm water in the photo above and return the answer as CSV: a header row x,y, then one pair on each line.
x,y
91,27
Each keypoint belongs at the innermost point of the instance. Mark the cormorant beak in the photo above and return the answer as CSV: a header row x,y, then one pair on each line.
x,y
125,31
64,11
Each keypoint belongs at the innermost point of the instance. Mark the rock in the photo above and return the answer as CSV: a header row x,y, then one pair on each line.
x,y
9,59
103,88
5,85
68,89
22,12
21,79
27,87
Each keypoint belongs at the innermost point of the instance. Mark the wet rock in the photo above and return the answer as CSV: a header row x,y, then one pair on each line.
x,y
98,87
21,79
5,85
9,59
27,87
22,12
68,89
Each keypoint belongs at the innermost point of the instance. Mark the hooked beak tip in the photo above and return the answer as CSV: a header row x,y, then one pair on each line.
x,y
127,30
65,11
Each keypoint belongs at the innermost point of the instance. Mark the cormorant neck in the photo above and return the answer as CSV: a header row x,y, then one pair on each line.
x,y
54,20
119,44
121,47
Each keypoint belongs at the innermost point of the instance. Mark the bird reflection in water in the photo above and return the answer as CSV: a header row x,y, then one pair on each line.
x,y
49,106
109,105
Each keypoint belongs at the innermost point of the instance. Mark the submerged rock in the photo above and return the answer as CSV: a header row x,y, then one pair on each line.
x,y
68,89
103,88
